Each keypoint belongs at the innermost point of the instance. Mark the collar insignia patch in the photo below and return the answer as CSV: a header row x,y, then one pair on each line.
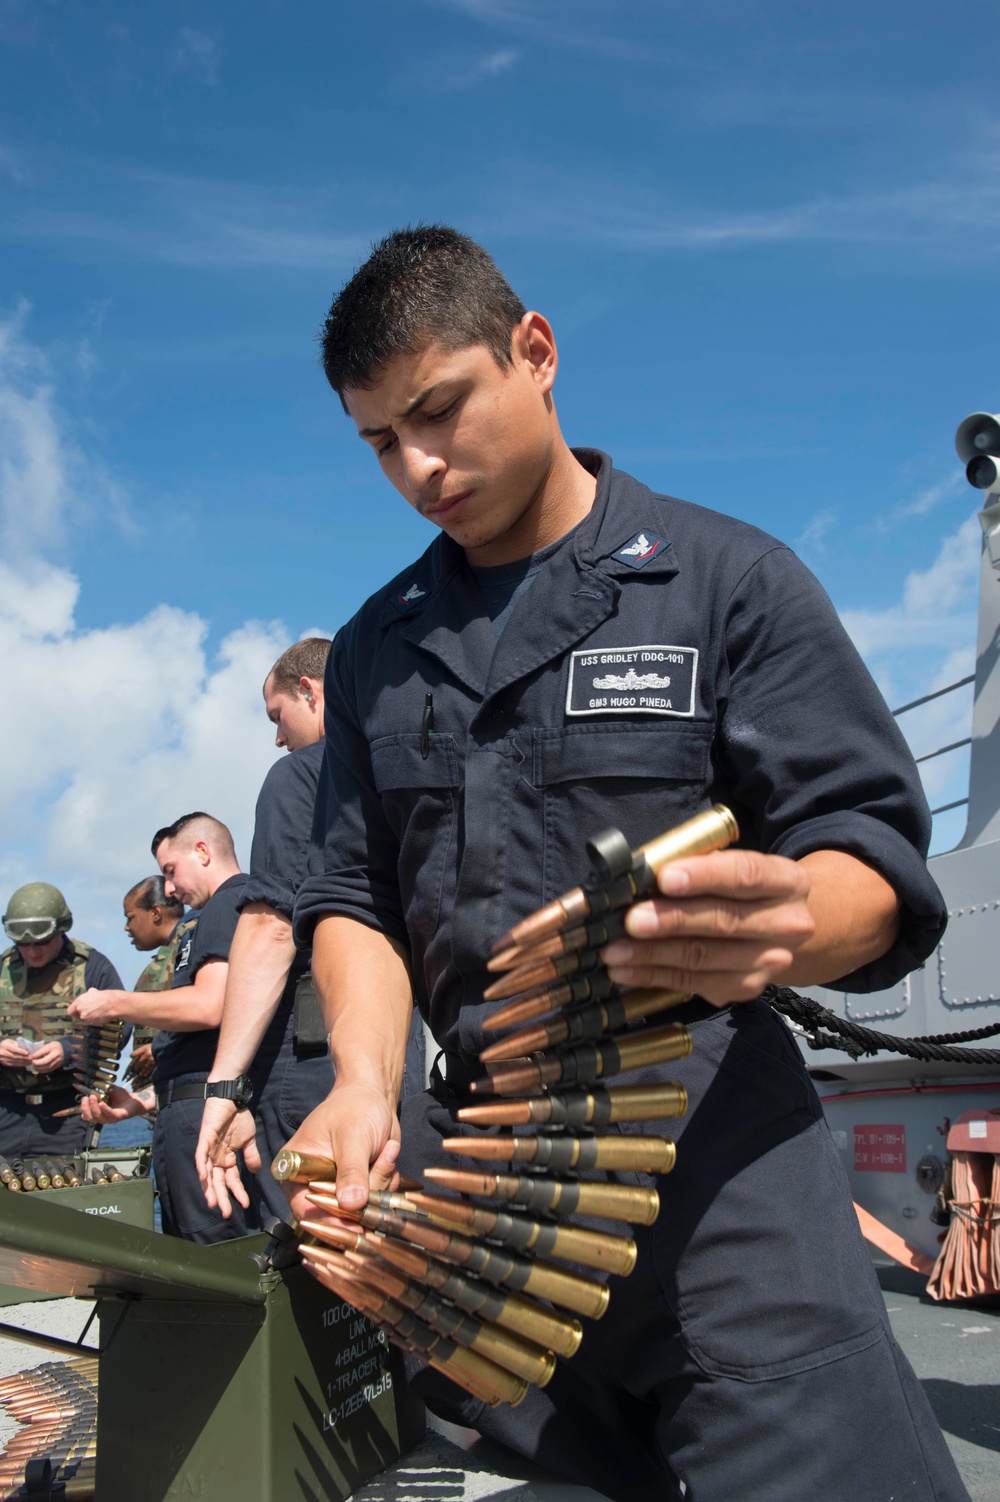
x,y
403,601
640,549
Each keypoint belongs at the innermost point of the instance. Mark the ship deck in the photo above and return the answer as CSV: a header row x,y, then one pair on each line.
x,y
954,1349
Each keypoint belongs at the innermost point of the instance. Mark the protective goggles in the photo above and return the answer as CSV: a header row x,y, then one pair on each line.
x,y
29,930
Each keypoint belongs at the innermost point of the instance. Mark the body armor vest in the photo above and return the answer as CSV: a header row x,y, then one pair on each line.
x,y
159,975
39,1016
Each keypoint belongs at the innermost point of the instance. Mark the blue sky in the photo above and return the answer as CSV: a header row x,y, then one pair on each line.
x,y
763,235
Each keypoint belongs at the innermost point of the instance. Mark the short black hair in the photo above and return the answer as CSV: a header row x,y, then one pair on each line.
x,y
150,893
418,285
208,826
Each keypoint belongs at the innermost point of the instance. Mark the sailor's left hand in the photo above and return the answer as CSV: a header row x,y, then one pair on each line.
x,y
50,1056
95,1006
727,925
225,1133
119,1105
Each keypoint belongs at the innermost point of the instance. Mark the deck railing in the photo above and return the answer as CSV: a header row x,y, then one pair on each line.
x,y
952,745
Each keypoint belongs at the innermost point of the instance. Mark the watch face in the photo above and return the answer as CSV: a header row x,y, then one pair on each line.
x,y
243,1093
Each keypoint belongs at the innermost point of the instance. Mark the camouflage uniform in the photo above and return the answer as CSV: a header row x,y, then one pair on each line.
x,y
33,1005
30,1013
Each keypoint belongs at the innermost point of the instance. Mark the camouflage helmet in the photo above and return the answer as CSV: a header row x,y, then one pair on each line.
x,y
35,912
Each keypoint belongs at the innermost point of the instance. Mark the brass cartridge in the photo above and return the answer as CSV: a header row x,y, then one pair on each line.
x,y
583,1023
592,935
290,1167
711,830
548,1196
587,1062
595,1107
569,1152
597,1249
595,985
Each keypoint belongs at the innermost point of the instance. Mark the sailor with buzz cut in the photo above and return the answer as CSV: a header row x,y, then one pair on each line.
x,y
39,976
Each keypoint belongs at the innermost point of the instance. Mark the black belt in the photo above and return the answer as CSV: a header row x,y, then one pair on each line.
x,y
180,1092
39,1097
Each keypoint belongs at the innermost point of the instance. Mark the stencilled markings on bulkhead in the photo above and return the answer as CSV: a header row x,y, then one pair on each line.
x,y
648,679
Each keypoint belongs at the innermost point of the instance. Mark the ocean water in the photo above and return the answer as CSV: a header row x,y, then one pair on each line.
x,y
136,1132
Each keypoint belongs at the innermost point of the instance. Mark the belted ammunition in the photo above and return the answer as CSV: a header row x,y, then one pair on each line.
x,y
592,935
588,1062
510,1310
113,1174
541,972
594,986
466,1367
27,1179
585,1023
55,1177
567,1152
40,1177
580,1108
572,1291
523,1358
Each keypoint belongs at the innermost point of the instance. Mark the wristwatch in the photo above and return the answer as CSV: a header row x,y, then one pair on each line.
x,y
239,1091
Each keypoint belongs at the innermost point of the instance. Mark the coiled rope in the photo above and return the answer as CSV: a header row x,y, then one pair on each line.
x,y
823,1028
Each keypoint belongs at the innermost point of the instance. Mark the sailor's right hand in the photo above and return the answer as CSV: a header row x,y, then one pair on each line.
x,y
358,1129
14,1055
119,1105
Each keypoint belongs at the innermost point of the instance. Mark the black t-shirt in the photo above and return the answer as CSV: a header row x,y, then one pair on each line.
x,y
279,863
100,973
279,857
193,1053
502,585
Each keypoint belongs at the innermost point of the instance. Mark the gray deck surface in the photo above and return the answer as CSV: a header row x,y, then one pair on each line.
x,y
955,1351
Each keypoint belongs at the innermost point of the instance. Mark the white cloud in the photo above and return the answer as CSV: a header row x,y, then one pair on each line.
x,y
812,539
194,55
114,731
499,62
42,467
178,220
937,611
458,73
929,498
923,641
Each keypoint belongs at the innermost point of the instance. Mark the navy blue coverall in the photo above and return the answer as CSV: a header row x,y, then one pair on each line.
x,y
665,657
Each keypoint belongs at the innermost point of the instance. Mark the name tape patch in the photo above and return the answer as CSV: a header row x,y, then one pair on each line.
x,y
633,680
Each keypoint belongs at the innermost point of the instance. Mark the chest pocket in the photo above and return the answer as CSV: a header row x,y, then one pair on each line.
x,y
419,799
641,780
